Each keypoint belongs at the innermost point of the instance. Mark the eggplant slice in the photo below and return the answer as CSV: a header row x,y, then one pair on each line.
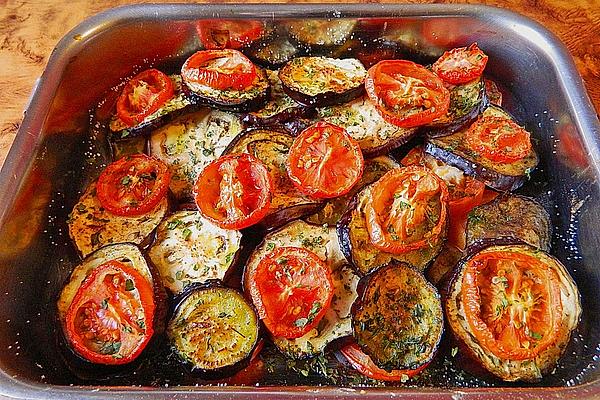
x,y
374,169
251,98
323,81
177,105
510,216
272,53
467,101
214,329
272,147
365,124
441,268
452,150
190,143
470,348
279,109
320,36
335,324
398,320
356,244
190,249
92,227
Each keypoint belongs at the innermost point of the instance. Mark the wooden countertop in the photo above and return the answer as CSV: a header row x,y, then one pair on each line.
x,y
29,30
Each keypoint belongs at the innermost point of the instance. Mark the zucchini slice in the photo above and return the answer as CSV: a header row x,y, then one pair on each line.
x,y
323,81
452,150
92,227
467,101
356,244
335,324
272,147
374,169
190,249
510,216
365,124
321,240
214,329
251,98
177,105
190,143
279,109
540,288
320,36
398,320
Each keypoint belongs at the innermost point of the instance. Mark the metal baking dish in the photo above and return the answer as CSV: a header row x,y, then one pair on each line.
x,y
55,152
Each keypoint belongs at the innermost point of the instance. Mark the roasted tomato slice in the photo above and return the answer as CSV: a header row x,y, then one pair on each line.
x,y
461,65
219,69
465,192
228,34
292,289
363,364
234,191
133,185
324,161
406,94
144,94
407,211
110,320
512,303
498,139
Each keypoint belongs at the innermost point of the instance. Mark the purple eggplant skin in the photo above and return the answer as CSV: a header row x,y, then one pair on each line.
x,y
448,128
86,370
493,179
289,115
225,371
272,53
234,103
145,128
328,98
468,359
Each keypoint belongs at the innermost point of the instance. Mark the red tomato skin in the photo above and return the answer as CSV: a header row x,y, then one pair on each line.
x,y
460,75
375,87
146,293
510,145
301,146
111,180
207,191
156,84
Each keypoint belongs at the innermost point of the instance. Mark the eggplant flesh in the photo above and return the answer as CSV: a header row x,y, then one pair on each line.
x,y
452,150
251,98
364,123
177,105
92,227
333,210
309,80
271,147
510,216
471,349
398,320
355,241
335,324
213,329
191,249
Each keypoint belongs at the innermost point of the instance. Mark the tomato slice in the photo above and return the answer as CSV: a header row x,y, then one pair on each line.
x,y
228,33
143,95
407,210
461,65
292,289
363,364
219,69
512,303
406,94
498,139
110,320
133,185
234,191
324,161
